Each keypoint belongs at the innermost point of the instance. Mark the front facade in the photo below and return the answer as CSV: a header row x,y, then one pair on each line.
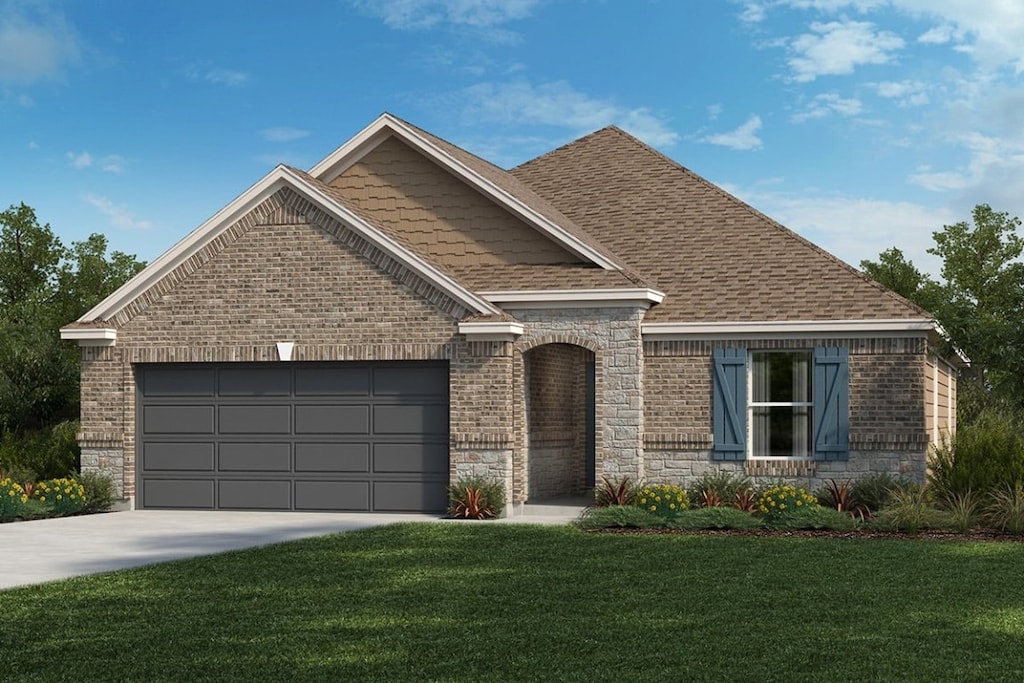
x,y
405,314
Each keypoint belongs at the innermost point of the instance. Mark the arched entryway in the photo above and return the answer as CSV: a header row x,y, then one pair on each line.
x,y
560,424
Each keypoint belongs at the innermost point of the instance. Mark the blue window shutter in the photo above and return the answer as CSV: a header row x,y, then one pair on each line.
x,y
729,404
831,403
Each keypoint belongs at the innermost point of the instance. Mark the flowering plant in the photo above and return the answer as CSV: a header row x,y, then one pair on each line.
x,y
783,499
12,499
665,500
63,496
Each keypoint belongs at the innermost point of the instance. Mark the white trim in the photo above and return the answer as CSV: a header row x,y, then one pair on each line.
x,y
794,329
367,139
499,330
90,336
275,180
935,398
574,298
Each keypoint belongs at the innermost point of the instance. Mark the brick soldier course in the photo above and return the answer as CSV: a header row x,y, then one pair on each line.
x,y
600,257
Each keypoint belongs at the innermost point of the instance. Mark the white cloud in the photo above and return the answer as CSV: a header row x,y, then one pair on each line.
x,y
839,47
283,134
80,160
227,77
119,215
423,14
34,45
743,138
905,93
828,103
558,104
714,111
938,35
991,31
112,163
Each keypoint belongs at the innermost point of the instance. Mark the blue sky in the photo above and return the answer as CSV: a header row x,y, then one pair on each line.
x,y
861,124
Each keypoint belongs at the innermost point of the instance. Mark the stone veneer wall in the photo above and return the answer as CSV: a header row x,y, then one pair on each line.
x,y
887,421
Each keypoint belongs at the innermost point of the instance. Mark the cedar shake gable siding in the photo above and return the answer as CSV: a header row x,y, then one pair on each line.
x,y
715,257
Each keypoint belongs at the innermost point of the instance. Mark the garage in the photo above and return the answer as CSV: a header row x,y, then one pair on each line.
x,y
343,437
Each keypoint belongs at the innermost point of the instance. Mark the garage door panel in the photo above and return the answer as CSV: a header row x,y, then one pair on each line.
x,y
190,419
333,381
194,494
417,380
255,419
339,496
178,382
332,457
418,458
332,419
191,457
408,496
255,382
428,419
254,494
257,457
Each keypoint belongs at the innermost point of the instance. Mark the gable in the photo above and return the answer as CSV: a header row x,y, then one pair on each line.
x,y
438,214
286,278
715,257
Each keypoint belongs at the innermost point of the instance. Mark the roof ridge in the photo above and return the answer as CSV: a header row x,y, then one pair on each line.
x,y
786,232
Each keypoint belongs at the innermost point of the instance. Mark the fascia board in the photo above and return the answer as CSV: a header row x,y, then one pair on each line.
x,y
275,180
562,298
368,138
796,329
90,336
501,330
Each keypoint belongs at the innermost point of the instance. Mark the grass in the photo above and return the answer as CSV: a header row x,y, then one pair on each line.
x,y
472,602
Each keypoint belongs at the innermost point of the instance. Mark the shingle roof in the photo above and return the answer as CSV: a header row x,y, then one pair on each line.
x,y
715,257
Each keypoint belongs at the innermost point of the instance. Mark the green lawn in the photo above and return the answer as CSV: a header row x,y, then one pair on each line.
x,y
480,602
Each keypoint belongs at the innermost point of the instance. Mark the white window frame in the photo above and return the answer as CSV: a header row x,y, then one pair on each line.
x,y
751,405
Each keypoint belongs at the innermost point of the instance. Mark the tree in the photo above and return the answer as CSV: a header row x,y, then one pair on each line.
x,y
44,286
979,303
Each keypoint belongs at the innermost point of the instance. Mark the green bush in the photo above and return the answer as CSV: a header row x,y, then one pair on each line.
x,y
614,492
664,500
814,517
983,456
912,509
781,500
1005,510
719,487
476,498
874,491
43,454
619,517
12,499
61,497
100,495
963,510
714,518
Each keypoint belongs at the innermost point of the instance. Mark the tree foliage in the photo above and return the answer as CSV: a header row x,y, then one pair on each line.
x,y
979,302
44,286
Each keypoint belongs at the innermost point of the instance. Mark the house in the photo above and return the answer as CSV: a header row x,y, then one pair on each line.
x,y
405,313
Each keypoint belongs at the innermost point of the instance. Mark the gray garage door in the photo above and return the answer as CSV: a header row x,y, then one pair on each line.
x,y
293,436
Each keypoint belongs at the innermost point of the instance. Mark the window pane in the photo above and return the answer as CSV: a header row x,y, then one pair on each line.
x,y
781,376
781,432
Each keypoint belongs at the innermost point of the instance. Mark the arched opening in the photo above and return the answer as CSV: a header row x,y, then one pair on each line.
x,y
560,423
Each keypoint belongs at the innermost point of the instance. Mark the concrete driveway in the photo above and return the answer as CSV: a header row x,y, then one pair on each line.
x,y
50,549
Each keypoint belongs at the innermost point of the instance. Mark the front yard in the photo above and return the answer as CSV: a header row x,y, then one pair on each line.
x,y
478,602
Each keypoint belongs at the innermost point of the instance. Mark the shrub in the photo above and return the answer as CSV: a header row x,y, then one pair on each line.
x,y
43,454
99,492
814,517
714,518
1006,509
962,509
61,497
718,487
874,491
781,500
983,456
476,498
912,509
839,496
619,517
664,500
614,492
12,499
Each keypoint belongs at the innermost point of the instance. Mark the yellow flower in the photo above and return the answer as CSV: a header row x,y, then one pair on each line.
x,y
671,506
799,502
653,508
782,507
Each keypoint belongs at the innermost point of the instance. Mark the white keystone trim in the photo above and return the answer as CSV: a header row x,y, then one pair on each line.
x,y
385,125
90,336
499,330
795,329
575,298
277,179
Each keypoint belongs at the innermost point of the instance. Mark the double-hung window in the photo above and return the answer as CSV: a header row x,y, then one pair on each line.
x,y
781,404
